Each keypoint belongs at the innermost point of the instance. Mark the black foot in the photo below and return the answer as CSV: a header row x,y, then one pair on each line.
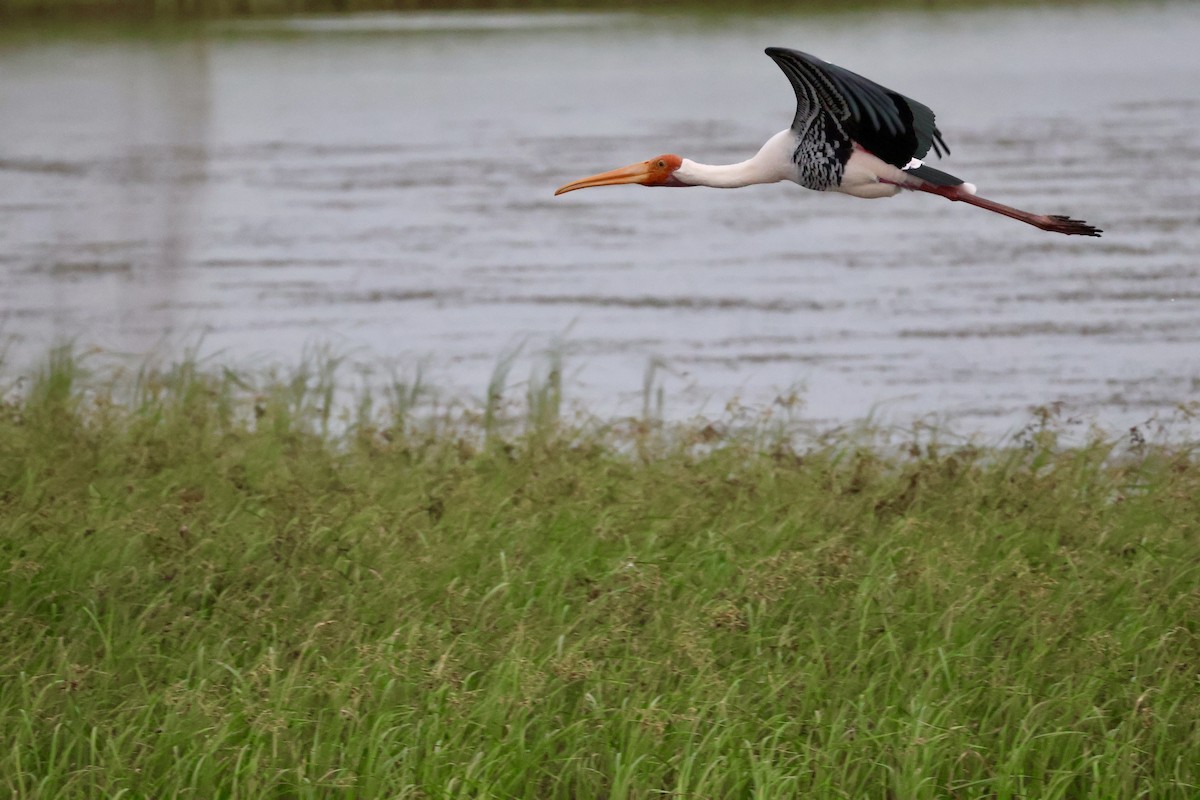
x,y
1071,227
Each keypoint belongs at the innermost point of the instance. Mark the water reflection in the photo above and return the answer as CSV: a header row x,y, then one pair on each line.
x,y
105,173
383,183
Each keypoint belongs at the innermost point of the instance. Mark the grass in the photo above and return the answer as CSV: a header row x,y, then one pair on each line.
x,y
202,9
212,586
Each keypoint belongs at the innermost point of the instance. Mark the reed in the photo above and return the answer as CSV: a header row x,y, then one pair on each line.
x,y
220,584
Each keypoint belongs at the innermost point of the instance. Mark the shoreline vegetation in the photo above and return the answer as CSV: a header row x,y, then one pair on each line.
x,y
170,10
210,586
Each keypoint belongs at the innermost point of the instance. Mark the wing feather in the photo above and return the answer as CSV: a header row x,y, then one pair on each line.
x,y
893,127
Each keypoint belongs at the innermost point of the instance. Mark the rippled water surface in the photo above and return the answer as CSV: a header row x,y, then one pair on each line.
x,y
383,184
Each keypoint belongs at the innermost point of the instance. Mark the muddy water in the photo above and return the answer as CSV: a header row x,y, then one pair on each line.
x,y
383,185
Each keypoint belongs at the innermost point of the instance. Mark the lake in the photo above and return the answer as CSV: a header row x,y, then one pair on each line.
x,y
382,185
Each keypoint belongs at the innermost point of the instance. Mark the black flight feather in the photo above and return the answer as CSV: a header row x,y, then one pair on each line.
x,y
893,127
934,176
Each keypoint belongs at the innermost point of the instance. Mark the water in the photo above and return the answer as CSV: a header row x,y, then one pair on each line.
x,y
383,185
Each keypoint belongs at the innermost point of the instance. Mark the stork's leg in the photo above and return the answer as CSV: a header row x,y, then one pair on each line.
x,y
1051,222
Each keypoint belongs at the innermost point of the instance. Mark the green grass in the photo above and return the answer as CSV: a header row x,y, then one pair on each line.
x,y
213,586
201,9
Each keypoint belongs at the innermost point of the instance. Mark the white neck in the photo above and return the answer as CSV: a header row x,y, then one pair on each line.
x,y
773,162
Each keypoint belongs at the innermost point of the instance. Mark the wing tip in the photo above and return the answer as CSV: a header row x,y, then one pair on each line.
x,y
787,52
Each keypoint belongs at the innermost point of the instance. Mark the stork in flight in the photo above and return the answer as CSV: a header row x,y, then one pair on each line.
x,y
849,135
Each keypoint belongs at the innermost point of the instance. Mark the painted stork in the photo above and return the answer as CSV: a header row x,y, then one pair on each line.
x,y
849,135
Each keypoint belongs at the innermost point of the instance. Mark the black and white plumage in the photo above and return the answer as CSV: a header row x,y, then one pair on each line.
x,y
849,135
837,108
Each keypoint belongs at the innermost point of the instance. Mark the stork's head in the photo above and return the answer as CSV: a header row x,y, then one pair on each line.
x,y
658,171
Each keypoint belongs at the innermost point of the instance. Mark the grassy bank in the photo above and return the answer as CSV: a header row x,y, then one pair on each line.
x,y
204,593
207,9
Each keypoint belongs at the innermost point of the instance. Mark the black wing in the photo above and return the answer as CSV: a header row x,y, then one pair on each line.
x,y
893,127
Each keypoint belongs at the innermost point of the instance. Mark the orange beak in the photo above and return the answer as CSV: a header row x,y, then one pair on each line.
x,y
646,173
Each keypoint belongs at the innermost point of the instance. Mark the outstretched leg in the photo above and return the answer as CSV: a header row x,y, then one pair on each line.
x,y
1052,222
